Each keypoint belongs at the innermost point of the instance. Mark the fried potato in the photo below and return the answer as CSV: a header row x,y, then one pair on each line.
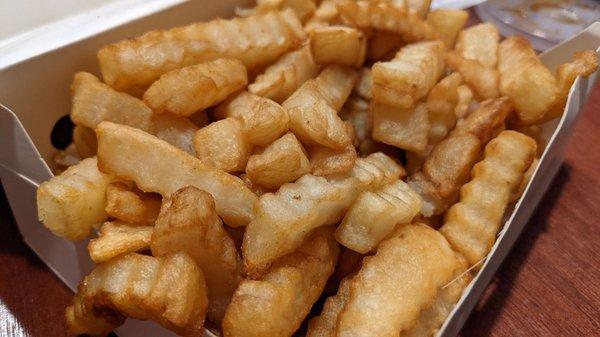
x,y
487,121
184,91
254,187
527,176
363,86
326,14
534,131
313,108
223,145
284,161
393,286
374,215
482,80
85,141
441,104
188,223
383,45
262,120
117,238
471,224
281,299
356,112
465,97
403,81
95,102
529,84
286,75
403,128
324,324
479,43
136,208
284,219
156,166
302,8
327,162
70,204
419,6
141,287
132,65
447,23
338,45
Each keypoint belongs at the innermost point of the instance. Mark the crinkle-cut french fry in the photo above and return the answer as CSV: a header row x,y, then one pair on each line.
x,y
284,219
419,6
304,9
363,85
356,111
327,162
324,324
479,43
262,120
385,15
374,215
254,187
71,203
482,80
447,23
286,75
184,91
441,103
188,223
526,80
136,208
326,14
471,224
534,131
284,295
283,161
527,176
223,145
383,45
85,141
465,97
314,106
95,102
487,121
403,81
397,283
141,287
117,238
132,65
338,45
156,166
400,127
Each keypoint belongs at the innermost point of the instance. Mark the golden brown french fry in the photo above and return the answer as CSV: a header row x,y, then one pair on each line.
x,y
471,225
188,223
324,324
156,166
284,161
117,238
419,6
254,187
338,45
284,295
141,287
487,121
447,23
374,215
383,45
304,9
327,162
132,65
394,285
482,80
284,219
527,176
136,208
441,104
403,128
363,85
465,97
326,14
223,145
70,204
85,141
534,131
262,120
403,81
356,111
184,91
479,43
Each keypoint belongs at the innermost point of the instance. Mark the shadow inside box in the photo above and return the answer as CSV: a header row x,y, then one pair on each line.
x,y
485,314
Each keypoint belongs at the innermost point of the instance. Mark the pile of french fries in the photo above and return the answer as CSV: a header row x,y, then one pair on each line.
x,y
342,163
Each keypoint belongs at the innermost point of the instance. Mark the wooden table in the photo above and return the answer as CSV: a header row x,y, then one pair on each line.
x,y
548,286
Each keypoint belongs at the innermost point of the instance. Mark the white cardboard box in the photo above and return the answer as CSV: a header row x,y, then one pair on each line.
x,y
34,89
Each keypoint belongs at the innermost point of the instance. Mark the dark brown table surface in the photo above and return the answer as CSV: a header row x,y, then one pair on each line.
x,y
548,286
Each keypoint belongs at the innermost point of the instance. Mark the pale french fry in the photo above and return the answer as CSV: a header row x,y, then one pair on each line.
x,y
378,304
70,204
383,45
254,187
479,43
223,145
284,219
403,128
156,166
141,287
326,14
529,84
174,130
324,324
335,83
286,75
471,225
419,6
188,223
441,104
407,78
363,85
284,161
487,121
132,65
85,141
447,23
117,238
124,204
327,162
482,80
356,111
285,294
338,45
465,97
374,215
63,159
184,91
302,8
